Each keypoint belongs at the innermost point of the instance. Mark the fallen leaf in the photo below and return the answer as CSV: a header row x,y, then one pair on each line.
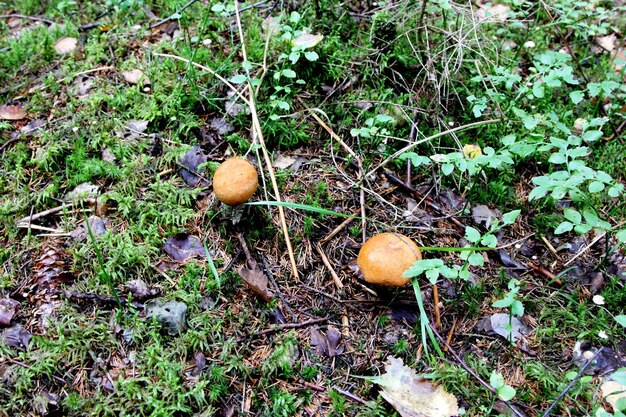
x,y
96,225
32,126
271,25
135,77
471,151
327,344
256,280
170,314
182,246
612,392
283,162
137,126
83,191
191,173
412,395
483,215
234,109
16,336
607,42
500,324
82,85
12,112
306,40
139,289
221,126
496,12
65,46
8,308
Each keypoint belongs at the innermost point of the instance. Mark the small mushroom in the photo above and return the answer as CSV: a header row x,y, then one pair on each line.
x,y
235,181
385,257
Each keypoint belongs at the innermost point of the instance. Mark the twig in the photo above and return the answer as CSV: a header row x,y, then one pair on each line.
x,y
338,229
429,202
104,299
572,382
286,326
586,248
43,228
328,266
23,365
449,336
348,395
550,247
21,16
474,374
436,304
268,272
174,16
544,272
36,216
258,133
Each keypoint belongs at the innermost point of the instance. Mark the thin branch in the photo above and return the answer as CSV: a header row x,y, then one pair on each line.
x,y
21,16
174,16
572,382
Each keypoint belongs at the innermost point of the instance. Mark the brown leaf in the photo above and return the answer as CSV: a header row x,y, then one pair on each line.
x,y
182,246
12,112
612,392
412,395
256,280
16,336
8,308
65,46
607,42
135,77
283,162
326,344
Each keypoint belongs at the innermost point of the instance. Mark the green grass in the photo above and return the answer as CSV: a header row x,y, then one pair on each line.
x,y
101,359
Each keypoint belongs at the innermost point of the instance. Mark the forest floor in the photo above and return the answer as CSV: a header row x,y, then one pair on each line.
x,y
491,134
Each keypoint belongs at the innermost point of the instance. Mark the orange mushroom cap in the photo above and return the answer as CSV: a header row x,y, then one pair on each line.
x,y
385,257
235,181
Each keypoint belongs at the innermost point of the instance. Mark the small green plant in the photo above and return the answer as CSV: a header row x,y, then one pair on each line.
x,y
504,391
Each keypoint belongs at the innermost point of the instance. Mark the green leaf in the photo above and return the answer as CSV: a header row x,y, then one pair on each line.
x,y
615,190
238,79
577,96
539,90
619,376
557,158
289,73
294,17
311,55
572,215
621,319
476,259
294,57
596,187
511,216
489,240
563,228
504,303
496,380
447,169
506,392
592,135
472,234
517,308
621,236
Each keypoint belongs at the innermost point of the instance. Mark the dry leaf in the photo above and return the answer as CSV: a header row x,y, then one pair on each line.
x,y
182,246
412,395
307,40
612,392
607,42
496,12
257,282
271,25
8,308
12,112
135,77
283,162
66,45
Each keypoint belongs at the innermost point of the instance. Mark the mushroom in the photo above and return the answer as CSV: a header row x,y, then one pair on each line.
x,y
385,257
235,181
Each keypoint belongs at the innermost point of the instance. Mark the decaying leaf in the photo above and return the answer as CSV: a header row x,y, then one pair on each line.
x,y
496,12
502,324
607,42
307,40
135,76
8,307
192,173
412,395
170,314
182,246
283,162
12,112
612,392
483,215
256,280
16,336
65,46
327,344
